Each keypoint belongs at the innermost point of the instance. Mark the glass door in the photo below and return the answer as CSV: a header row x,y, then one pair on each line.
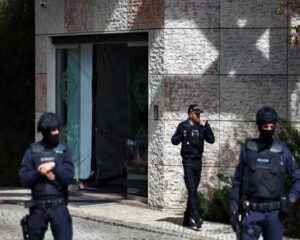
x,y
137,167
68,98
74,103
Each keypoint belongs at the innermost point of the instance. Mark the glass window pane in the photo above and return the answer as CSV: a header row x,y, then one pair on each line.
x,y
68,99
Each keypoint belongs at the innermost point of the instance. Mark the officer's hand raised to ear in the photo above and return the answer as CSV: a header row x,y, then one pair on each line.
x,y
202,122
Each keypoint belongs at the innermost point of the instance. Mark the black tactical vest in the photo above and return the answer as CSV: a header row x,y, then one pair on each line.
x,y
40,154
193,142
263,174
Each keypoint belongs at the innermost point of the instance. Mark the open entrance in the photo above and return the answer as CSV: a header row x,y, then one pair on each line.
x,y
102,98
121,117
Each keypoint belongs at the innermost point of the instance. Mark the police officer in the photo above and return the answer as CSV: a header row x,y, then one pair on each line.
x,y
260,180
191,133
47,169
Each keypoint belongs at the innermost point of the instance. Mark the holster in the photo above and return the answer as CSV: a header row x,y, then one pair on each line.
x,y
24,225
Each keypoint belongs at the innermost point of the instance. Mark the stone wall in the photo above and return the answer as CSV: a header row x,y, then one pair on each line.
x,y
231,57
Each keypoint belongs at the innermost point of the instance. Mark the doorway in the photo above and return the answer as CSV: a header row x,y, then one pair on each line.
x,y
120,117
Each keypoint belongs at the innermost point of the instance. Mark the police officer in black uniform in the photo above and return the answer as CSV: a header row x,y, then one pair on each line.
x,y
47,169
260,180
191,133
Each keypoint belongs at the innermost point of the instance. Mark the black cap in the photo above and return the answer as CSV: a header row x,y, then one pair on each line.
x,y
194,108
266,115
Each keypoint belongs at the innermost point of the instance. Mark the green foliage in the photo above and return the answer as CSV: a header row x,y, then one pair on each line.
x,y
288,134
291,8
16,85
217,207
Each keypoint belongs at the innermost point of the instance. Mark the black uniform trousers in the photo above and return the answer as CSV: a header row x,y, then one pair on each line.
x,y
192,174
59,219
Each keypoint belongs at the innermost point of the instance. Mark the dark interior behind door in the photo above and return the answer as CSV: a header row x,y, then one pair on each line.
x,y
121,117
111,111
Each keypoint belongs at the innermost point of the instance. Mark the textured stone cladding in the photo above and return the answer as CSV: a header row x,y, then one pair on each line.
x,y
192,14
242,95
145,14
294,98
41,48
231,57
191,51
40,92
78,16
49,19
181,90
250,14
253,51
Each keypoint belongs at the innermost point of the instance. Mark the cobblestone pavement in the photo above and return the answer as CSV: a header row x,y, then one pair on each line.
x,y
84,229
106,215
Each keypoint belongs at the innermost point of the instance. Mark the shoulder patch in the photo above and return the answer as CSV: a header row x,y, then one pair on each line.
x,y
37,147
276,147
251,145
60,148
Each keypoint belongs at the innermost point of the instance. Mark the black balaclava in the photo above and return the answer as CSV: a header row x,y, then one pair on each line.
x,y
47,122
50,140
263,116
266,136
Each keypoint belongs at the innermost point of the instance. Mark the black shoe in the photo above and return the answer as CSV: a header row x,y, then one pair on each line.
x,y
199,222
190,222
193,223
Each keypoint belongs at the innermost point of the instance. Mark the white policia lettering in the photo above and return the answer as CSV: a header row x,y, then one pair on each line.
x,y
263,160
46,159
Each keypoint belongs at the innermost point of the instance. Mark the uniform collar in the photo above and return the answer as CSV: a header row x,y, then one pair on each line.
x,y
191,122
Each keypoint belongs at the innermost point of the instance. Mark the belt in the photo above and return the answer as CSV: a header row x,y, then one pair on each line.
x,y
193,158
45,203
264,207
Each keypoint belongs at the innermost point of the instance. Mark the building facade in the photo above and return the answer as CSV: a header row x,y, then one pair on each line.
x,y
121,74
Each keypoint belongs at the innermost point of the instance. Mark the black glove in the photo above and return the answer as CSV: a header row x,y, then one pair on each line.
x,y
285,204
234,220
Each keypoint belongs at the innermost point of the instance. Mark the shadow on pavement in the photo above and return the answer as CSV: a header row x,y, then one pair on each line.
x,y
85,202
175,220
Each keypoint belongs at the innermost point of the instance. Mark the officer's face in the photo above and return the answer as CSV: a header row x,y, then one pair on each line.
x,y
194,116
54,131
268,126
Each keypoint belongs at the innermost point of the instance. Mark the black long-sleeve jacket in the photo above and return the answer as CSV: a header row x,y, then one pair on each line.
x,y
180,137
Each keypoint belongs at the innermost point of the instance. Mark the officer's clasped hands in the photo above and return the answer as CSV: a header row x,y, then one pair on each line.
x,y
46,167
50,175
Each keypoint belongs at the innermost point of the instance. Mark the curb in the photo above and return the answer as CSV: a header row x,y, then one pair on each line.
x,y
77,213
